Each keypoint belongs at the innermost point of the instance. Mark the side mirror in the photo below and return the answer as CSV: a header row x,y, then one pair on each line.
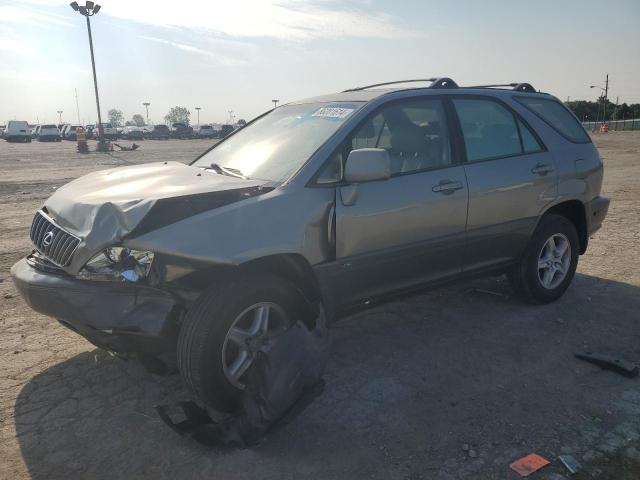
x,y
367,165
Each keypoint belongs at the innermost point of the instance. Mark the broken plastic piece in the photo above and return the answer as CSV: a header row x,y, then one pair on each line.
x,y
529,464
622,367
570,463
284,379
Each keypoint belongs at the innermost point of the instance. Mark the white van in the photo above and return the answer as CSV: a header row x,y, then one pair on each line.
x,y
17,131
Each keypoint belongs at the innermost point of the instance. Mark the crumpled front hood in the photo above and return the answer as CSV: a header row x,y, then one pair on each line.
x,y
103,207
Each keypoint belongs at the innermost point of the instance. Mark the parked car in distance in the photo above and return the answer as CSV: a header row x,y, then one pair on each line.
x,y
109,132
205,131
132,133
160,132
317,208
17,131
226,130
70,132
48,133
89,131
63,130
181,130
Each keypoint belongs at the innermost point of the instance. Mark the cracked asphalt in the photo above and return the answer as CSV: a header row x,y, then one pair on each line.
x,y
455,383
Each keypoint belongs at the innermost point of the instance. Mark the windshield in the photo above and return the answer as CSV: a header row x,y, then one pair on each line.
x,y
276,145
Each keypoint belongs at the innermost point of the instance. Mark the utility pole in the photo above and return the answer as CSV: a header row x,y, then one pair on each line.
x,y
230,117
60,116
146,106
606,93
77,105
275,103
198,110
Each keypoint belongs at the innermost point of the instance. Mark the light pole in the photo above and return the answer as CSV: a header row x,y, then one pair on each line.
x,y
60,117
230,116
89,10
146,106
198,109
275,103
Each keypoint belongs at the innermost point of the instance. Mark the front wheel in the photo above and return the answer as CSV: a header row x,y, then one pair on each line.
x,y
224,330
549,262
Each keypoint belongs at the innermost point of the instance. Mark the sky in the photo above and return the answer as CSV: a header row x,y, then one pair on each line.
x,y
240,54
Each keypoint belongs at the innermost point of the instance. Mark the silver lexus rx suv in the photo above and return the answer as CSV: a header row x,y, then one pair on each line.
x,y
315,208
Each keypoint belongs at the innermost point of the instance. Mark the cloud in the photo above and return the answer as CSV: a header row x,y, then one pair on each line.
x,y
197,50
296,20
28,16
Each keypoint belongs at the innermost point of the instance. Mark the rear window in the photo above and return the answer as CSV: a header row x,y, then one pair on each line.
x,y
557,116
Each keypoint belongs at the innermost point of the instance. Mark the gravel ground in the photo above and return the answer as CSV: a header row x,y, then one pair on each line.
x,y
452,384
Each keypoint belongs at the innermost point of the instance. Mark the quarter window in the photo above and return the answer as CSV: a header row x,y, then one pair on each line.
x,y
558,116
492,131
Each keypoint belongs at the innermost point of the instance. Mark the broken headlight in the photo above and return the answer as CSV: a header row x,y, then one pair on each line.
x,y
118,264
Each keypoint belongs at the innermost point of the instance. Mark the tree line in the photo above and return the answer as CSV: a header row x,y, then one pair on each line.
x,y
176,114
588,111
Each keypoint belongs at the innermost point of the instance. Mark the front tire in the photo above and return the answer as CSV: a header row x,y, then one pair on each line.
x,y
224,329
549,263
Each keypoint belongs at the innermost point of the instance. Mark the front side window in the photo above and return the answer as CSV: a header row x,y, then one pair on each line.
x,y
413,132
492,131
558,116
276,145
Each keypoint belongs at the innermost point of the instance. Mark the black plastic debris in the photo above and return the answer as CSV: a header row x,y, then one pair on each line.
x,y
284,379
622,367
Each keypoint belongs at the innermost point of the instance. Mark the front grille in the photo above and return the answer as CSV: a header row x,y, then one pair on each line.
x,y
57,245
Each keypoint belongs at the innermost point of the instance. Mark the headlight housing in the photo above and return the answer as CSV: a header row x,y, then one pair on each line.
x,y
118,264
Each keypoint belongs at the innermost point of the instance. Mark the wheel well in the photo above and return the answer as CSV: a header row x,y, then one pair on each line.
x,y
292,267
574,211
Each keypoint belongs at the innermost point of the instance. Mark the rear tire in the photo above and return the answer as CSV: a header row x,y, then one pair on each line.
x,y
549,263
205,348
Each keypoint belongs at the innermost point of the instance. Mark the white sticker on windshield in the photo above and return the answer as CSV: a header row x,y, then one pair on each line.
x,y
332,112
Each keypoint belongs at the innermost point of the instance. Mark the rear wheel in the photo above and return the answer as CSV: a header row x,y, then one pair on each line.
x,y
224,330
549,262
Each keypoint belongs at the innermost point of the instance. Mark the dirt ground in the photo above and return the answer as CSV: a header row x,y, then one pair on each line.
x,y
452,384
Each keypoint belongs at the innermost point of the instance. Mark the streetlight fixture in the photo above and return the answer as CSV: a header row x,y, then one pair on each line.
x,y
198,109
275,103
89,10
146,106
60,117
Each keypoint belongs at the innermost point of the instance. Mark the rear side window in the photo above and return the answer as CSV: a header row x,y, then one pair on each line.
x,y
492,131
557,116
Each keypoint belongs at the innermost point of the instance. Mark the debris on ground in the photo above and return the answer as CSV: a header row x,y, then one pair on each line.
x,y
283,380
623,367
125,148
570,463
527,465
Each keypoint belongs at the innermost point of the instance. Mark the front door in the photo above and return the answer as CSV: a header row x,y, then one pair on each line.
x,y
407,230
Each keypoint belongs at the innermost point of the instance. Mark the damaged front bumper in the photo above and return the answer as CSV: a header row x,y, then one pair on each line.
x,y
120,317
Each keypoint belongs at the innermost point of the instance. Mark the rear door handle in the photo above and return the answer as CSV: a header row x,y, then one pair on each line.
x,y
542,169
447,187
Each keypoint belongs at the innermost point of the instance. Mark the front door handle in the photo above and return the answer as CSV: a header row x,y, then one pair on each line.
x,y
447,187
542,169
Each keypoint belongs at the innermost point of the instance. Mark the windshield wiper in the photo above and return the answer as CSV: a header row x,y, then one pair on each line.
x,y
231,172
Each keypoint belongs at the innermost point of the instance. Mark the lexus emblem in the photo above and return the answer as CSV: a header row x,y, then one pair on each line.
x,y
48,238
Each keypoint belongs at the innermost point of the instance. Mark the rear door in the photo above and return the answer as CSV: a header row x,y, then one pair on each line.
x,y
409,229
511,177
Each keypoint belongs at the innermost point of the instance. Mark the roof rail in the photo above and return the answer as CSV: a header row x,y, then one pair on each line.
x,y
518,87
443,82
